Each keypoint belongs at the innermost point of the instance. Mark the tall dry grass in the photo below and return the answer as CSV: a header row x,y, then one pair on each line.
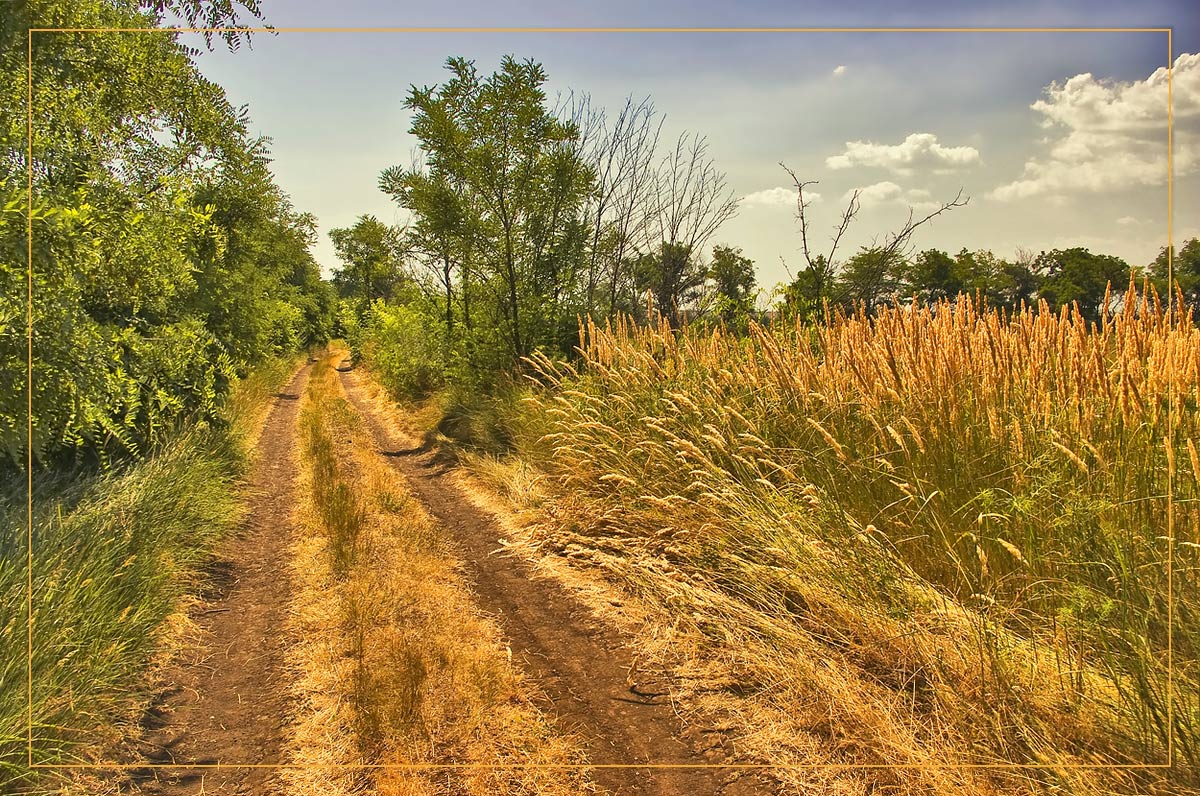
x,y
933,537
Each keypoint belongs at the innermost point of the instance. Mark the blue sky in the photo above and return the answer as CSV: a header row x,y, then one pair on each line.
x,y
908,117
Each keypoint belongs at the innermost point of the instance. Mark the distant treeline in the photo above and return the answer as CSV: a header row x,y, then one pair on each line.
x,y
528,215
1061,278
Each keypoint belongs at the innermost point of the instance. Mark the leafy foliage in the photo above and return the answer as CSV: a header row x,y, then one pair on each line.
x,y
498,200
734,282
406,349
1077,276
672,276
1184,266
371,251
165,260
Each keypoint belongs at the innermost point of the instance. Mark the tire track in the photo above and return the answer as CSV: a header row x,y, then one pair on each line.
x,y
225,700
580,664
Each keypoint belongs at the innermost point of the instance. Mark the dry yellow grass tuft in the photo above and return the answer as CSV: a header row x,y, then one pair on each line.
x,y
928,538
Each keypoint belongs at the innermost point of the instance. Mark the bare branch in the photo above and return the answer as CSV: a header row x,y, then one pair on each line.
x,y
852,208
801,206
897,241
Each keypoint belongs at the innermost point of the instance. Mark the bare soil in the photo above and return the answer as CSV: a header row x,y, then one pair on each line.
x,y
223,702
217,723
581,665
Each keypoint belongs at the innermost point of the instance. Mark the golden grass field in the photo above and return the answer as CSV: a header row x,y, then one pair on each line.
x,y
931,538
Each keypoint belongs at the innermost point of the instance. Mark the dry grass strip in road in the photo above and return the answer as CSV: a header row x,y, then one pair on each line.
x,y
582,665
396,666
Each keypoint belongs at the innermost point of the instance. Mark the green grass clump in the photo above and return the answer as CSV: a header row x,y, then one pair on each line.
x,y
113,554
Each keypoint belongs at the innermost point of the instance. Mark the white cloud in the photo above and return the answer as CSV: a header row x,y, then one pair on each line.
x,y
839,70
917,151
1127,221
778,197
888,191
876,194
1111,135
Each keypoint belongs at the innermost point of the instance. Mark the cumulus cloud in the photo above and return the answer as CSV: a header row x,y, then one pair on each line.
x,y
888,191
876,194
1108,135
778,197
839,70
917,151
1127,221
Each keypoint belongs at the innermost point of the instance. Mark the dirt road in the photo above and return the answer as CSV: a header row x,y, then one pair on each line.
x,y
225,700
581,665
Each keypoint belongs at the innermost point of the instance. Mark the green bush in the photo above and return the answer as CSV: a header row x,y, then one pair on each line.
x,y
407,350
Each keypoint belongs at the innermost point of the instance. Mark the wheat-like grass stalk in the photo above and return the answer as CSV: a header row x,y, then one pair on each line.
x,y
1013,466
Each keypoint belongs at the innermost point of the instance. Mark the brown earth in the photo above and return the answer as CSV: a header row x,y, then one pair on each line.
x,y
582,666
217,723
224,699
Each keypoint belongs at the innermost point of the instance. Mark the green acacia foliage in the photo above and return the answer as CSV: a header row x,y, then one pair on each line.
x,y
164,259
499,206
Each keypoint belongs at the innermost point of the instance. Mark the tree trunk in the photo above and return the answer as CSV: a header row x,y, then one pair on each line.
x,y
514,309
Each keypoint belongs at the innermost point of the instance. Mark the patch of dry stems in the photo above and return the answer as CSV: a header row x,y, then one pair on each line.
x,y
397,667
932,537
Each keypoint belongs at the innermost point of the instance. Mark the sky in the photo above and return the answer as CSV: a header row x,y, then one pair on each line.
x,y
1059,139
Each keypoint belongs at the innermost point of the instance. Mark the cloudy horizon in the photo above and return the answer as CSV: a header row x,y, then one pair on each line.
x,y
1059,139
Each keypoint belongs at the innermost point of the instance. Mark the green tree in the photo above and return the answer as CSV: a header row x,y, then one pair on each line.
x,y
976,272
1077,276
162,250
372,256
872,275
440,233
734,280
502,190
1186,265
805,295
932,276
673,277
868,279
1017,282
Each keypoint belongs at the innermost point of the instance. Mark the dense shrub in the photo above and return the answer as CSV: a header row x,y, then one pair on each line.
x,y
407,349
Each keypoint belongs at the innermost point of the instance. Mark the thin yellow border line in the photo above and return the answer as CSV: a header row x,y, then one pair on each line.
x,y
29,237
1171,407
593,30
